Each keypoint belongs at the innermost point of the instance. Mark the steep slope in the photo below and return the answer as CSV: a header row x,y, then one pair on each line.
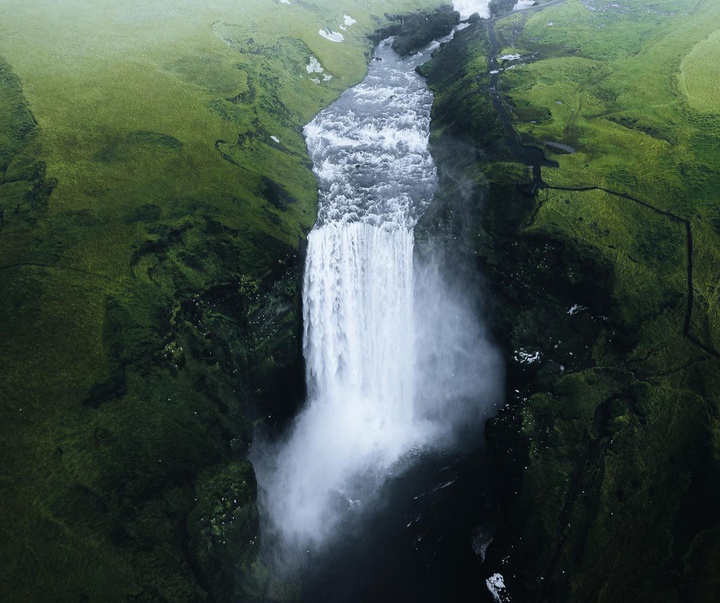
x,y
155,192
602,270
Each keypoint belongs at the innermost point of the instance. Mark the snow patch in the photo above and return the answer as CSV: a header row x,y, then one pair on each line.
x,y
275,138
523,4
496,585
333,36
525,357
510,57
314,66
576,309
349,20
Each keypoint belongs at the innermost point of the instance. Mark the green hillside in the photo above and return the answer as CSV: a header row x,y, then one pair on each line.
x,y
605,266
155,191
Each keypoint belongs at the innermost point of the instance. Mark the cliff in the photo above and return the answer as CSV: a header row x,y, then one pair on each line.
x,y
597,255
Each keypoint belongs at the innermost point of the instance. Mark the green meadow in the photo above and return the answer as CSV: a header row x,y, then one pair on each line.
x,y
155,191
609,446
630,89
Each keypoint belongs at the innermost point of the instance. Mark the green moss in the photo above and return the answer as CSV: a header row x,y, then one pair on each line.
x,y
608,438
150,240
224,528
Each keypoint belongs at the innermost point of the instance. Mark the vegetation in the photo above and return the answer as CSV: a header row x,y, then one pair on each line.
x,y
607,271
154,195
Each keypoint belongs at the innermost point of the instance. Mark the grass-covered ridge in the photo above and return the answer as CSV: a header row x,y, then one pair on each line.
x,y
610,442
154,193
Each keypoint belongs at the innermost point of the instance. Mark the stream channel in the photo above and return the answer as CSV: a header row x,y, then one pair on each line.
x,y
381,490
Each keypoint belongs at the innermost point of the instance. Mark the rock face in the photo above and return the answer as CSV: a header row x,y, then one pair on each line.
x,y
607,447
419,29
223,528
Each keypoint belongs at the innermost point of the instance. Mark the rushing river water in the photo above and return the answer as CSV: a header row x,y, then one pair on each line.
x,y
396,361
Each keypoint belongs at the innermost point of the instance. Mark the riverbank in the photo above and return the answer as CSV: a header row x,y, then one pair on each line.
x,y
608,435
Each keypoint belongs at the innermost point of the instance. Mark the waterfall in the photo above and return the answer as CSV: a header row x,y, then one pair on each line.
x,y
469,7
363,325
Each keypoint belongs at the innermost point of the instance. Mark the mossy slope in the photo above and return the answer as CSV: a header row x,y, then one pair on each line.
x,y
154,195
608,441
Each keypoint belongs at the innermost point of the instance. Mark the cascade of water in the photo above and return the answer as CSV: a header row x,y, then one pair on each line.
x,y
469,7
363,414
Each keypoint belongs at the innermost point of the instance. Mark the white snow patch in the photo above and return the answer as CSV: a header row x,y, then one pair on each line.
x,y
284,1
349,20
275,138
314,66
314,79
326,77
510,57
496,585
525,357
576,309
333,36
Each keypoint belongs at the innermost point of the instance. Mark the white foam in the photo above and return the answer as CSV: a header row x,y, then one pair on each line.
x,y
469,7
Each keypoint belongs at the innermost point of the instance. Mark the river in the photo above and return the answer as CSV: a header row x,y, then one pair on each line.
x,y
375,491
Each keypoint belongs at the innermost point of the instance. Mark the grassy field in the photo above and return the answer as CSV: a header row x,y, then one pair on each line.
x,y
154,193
637,109
631,90
609,443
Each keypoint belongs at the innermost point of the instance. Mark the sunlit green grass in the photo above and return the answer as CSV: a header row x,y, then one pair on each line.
x,y
629,94
141,108
616,407
700,73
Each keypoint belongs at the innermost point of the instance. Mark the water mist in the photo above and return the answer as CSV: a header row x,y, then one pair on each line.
x,y
396,359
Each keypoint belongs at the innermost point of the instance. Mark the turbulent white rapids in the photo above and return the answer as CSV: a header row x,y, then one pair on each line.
x,y
362,325
468,7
